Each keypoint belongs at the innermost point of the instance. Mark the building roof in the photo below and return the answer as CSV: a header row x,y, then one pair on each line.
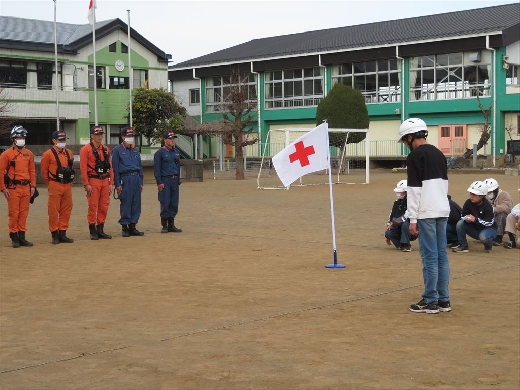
x,y
38,35
452,25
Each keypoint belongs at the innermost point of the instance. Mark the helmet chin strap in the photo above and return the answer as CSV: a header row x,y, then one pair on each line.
x,y
409,144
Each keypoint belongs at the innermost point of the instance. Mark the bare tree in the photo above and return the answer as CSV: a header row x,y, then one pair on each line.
x,y
484,130
238,113
5,107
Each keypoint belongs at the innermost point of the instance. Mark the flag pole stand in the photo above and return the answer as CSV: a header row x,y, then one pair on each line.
x,y
335,264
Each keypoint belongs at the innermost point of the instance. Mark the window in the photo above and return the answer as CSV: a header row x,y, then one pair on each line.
x,y
117,82
140,78
44,75
194,97
293,88
448,76
512,75
377,80
112,48
13,73
100,77
218,89
124,48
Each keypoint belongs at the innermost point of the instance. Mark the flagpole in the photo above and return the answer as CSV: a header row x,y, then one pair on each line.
x,y
131,76
56,71
94,59
335,255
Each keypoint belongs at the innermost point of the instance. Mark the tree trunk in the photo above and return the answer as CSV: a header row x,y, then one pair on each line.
x,y
239,157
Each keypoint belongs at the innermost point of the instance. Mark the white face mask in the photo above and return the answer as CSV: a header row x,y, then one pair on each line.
x,y
129,140
490,196
20,142
61,145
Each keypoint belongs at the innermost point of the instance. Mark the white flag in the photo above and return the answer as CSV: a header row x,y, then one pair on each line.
x,y
91,11
309,153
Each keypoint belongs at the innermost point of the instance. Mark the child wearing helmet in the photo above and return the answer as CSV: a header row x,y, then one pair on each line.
x,y
398,225
477,219
512,228
502,205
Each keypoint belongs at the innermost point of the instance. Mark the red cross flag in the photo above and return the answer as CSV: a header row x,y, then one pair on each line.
x,y
309,153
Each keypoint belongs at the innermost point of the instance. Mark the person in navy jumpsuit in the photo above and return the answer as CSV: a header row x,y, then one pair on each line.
x,y
128,180
167,169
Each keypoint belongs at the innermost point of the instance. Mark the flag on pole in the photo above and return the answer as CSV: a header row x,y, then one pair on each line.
x,y
309,153
91,11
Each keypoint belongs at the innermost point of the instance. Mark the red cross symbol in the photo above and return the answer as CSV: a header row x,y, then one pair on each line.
x,y
302,153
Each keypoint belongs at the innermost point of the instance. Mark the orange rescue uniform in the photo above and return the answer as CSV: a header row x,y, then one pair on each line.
x,y
59,204
23,172
99,201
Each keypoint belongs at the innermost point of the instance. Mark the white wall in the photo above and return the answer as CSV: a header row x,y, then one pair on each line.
x,y
181,91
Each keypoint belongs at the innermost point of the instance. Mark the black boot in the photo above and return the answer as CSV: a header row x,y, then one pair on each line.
x,y
101,233
15,240
133,231
62,234
55,237
93,231
23,241
164,224
171,226
125,231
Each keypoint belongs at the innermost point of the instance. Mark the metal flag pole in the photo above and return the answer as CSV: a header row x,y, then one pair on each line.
x,y
335,264
130,73
56,71
94,59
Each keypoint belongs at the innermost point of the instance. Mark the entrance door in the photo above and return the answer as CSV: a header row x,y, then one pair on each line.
x,y
452,139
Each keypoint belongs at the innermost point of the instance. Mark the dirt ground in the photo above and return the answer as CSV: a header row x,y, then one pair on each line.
x,y
242,299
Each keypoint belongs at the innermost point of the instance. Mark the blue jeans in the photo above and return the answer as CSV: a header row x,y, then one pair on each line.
x,y
399,235
451,233
435,263
485,235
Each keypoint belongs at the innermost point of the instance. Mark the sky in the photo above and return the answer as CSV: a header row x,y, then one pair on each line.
x,y
190,29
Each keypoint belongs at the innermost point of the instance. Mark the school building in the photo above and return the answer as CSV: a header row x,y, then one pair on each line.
x,y
437,67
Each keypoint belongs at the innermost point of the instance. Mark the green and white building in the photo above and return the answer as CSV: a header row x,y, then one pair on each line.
x,y
433,67
27,74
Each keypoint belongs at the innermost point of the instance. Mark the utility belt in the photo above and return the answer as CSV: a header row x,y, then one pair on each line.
x,y
20,182
131,173
100,177
172,176
61,181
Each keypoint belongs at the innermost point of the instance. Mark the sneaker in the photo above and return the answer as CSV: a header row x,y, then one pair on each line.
x,y
497,243
460,249
454,245
488,249
510,245
406,248
423,307
444,306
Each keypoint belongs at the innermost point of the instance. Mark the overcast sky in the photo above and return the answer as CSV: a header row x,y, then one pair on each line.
x,y
190,29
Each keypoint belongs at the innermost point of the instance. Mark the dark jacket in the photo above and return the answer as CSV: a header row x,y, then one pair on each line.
x,y
455,212
483,213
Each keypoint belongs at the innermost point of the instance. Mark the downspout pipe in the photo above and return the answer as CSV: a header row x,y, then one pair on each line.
x,y
402,81
196,145
494,70
258,108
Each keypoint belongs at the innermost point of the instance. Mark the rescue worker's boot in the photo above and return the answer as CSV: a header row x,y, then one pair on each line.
x,y
55,237
171,226
164,224
15,240
93,231
124,231
133,231
62,236
101,233
22,240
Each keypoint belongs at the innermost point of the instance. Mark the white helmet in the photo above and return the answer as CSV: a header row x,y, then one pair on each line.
x,y
491,183
18,131
411,126
478,188
401,186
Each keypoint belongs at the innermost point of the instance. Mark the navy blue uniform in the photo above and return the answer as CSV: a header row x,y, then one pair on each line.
x,y
167,169
128,173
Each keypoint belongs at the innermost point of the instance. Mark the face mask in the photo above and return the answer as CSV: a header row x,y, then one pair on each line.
x,y
20,143
129,140
61,145
490,196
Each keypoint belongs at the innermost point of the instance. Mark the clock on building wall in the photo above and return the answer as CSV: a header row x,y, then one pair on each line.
x,y
120,65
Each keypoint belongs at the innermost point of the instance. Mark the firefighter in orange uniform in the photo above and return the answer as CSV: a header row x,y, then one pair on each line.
x,y
18,184
57,167
98,180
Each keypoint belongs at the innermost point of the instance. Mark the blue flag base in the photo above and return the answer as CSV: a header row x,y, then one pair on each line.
x,y
335,265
